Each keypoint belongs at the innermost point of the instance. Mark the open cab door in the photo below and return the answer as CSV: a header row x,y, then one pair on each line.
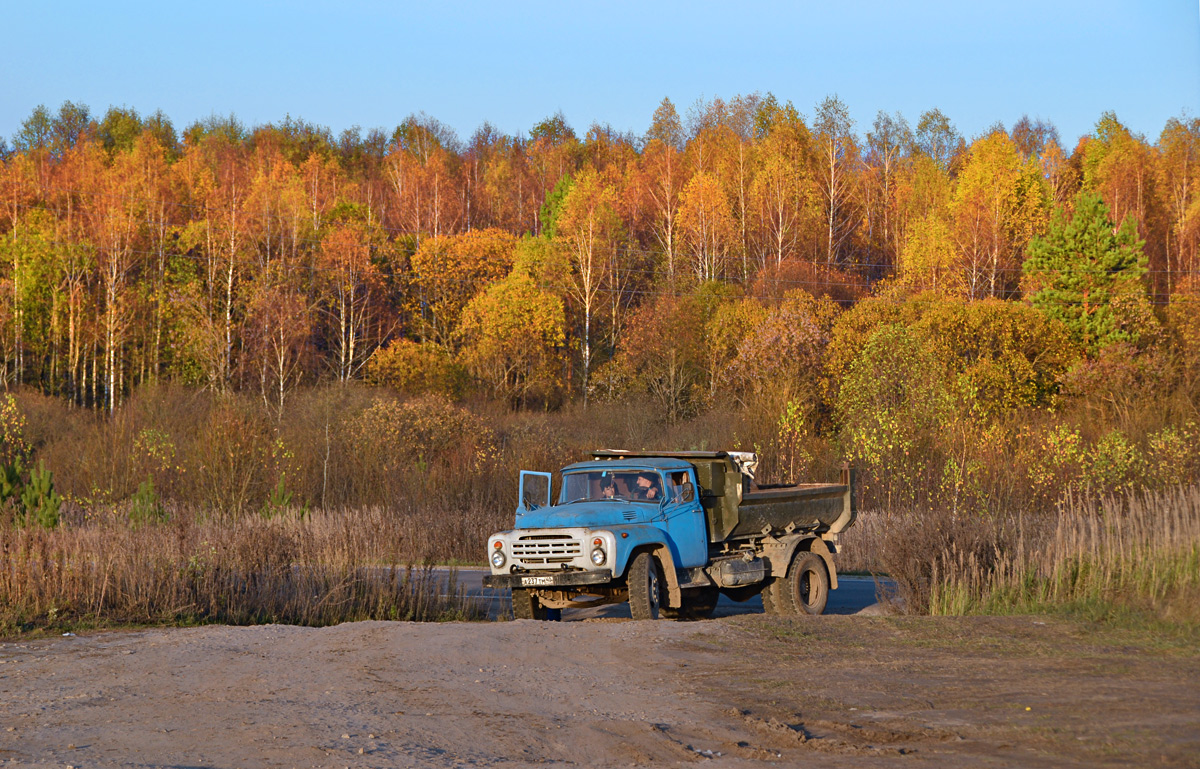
x,y
535,491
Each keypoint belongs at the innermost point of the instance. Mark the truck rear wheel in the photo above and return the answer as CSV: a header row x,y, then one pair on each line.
x,y
525,605
807,584
774,597
645,587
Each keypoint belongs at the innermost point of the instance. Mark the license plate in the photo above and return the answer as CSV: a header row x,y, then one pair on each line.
x,y
537,580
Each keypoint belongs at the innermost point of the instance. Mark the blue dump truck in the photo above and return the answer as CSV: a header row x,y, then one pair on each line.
x,y
670,532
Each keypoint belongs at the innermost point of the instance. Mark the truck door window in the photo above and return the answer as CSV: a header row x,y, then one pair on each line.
x,y
676,483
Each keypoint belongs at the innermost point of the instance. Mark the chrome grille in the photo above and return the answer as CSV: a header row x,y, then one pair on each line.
x,y
546,549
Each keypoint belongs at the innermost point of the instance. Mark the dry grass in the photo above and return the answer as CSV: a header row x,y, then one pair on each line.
x,y
312,570
1136,553
860,548
391,481
913,547
1140,551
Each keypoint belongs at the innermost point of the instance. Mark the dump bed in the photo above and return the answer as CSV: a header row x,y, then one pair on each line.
x,y
736,509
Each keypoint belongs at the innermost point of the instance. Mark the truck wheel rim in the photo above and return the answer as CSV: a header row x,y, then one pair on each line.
x,y
803,590
653,589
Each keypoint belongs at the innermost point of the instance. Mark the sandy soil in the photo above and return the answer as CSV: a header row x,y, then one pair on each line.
x,y
739,691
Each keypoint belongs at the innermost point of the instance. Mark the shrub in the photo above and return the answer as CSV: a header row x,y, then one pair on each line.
x,y
1053,461
892,410
1116,384
1173,455
403,440
12,431
1113,465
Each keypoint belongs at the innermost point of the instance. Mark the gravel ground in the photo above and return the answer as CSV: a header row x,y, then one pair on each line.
x,y
747,690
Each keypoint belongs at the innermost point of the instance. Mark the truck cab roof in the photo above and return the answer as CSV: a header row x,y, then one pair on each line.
x,y
665,464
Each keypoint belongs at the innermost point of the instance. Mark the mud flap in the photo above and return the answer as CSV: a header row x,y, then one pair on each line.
x,y
674,594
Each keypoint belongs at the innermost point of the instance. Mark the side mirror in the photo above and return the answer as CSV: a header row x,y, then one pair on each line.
x,y
687,492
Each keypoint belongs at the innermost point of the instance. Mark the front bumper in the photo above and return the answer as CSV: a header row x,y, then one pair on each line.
x,y
548,579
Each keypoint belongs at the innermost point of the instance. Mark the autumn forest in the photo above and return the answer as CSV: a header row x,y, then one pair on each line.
x,y
834,289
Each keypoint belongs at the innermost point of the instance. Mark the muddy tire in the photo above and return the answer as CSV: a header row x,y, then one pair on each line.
x,y
806,586
774,597
525,605
698,603
645,587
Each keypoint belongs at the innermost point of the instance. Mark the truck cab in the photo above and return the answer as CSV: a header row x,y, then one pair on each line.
x,y
654,529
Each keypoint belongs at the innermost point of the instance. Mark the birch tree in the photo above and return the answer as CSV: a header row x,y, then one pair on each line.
x,y
588,228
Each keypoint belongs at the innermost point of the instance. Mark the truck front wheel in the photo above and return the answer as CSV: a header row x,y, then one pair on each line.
x,y
807,584
525,605
645,587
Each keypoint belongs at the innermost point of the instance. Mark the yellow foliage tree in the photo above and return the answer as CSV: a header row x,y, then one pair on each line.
x,y
588,228
512,335
999,204
928,260
413,368
451,270
351,289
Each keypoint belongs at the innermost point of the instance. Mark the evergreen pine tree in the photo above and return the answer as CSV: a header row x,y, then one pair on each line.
x,y
1088,274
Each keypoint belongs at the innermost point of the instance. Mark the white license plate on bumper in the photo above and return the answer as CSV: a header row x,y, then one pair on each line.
x,y
537,580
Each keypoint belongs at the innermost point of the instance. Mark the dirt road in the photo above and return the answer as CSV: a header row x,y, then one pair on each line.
x,y
748,690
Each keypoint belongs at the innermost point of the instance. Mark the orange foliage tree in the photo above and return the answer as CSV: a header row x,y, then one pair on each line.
x,y
708,225
350,295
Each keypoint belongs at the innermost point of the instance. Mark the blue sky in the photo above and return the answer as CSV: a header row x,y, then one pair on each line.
x,y
511,63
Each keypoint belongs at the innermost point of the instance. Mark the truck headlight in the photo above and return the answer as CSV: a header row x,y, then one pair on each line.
x,y
599,556
498,558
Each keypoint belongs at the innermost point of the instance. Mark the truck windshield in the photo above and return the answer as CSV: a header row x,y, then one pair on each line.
x,y
621,485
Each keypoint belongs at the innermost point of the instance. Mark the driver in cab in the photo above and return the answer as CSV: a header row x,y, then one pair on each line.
x,y
646,489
